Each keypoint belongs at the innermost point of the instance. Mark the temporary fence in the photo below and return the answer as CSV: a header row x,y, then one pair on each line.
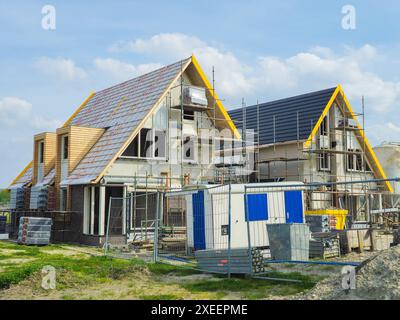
x,y
255,229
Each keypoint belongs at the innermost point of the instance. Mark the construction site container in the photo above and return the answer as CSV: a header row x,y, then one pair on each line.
x,y
289,241
208,213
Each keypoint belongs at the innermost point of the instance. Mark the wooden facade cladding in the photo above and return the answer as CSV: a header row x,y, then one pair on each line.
x,y
80,141
49,140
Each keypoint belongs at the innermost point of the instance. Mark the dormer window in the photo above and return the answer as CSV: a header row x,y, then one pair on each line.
x,y
65,147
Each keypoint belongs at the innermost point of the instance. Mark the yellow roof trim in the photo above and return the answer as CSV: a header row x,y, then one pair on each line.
x,y
307,143
215,96
21,174
79,108
367,144
321,118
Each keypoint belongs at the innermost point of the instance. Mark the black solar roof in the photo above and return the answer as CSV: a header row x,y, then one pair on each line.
x,y
307,107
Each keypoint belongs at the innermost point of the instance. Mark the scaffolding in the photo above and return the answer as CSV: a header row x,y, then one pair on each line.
x,y
331,148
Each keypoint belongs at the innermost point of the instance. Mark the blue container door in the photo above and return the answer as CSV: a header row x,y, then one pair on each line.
x,y
199,232
294,206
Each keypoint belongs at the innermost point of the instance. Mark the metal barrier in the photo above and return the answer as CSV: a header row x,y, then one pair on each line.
x,y
256,229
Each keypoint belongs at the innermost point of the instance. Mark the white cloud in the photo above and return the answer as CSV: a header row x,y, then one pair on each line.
x,y
16,112
60,68
122,70
13,110
276,77
174,45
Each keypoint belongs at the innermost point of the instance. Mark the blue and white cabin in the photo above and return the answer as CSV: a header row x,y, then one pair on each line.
x,y
208,213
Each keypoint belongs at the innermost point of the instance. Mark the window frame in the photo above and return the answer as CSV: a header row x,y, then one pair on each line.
x,y
139,147
65,147
41,152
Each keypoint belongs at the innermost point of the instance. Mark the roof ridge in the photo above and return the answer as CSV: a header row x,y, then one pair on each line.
x,y
299,96
183,61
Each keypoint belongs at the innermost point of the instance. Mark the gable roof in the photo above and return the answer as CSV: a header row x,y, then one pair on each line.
x,y
122,110
307,110
278,119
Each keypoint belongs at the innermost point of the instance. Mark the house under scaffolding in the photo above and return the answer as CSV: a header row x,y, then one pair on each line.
x,y
317,138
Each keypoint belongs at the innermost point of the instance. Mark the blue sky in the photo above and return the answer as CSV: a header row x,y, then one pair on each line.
x,y
260,50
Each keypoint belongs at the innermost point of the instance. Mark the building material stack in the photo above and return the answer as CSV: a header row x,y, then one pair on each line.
x,y
17,198
242,261
324,245
289,241
36,231
321,223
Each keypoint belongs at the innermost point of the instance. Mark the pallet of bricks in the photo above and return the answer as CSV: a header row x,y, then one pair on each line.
x,y
242,261
34,231
323,243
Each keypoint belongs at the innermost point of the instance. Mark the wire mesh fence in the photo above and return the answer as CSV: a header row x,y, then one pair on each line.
x,y
255,229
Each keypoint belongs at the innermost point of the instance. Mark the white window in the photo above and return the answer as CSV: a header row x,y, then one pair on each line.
x,y
324,159
354,160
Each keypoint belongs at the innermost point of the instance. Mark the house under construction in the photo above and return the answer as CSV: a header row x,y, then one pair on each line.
x,y
155,132
317,138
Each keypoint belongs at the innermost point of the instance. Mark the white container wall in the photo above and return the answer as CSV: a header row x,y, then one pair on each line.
x,y
208,213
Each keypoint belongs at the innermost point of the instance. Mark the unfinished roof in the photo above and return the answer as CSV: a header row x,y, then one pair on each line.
x,y
119,109
278,119
24,177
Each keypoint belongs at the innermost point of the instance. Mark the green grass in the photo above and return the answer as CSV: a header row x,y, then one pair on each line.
x,y
165,269
92,268
84,271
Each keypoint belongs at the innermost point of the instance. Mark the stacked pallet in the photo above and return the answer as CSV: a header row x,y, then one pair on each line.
x,y
34,230
39,197
238,261
324,245
321,223
17,198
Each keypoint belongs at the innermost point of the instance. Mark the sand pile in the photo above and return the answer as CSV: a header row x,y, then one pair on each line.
x,y
378,278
